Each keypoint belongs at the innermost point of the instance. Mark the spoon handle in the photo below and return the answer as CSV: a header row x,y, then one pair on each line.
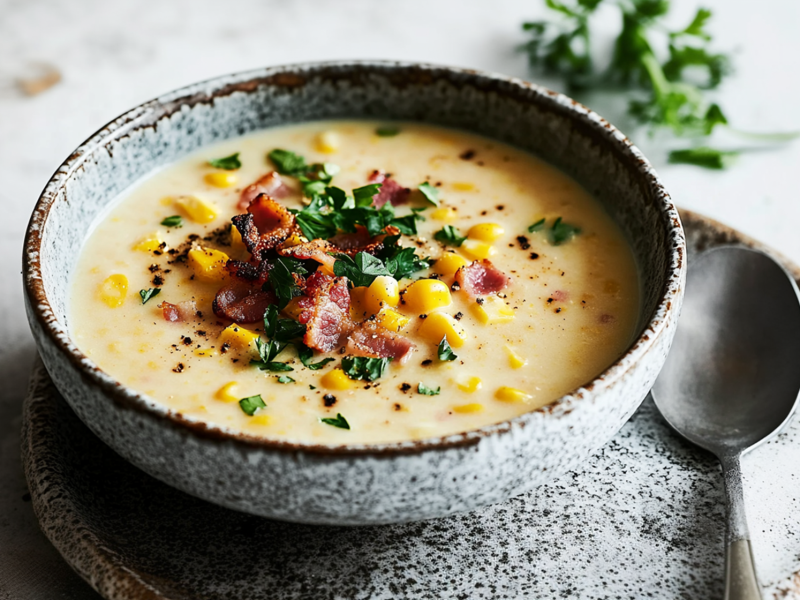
x,y
740,572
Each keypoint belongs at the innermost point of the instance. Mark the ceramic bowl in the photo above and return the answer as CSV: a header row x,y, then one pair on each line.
x,y
355,484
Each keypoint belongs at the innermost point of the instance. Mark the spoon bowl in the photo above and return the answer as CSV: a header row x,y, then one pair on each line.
x,y
732,378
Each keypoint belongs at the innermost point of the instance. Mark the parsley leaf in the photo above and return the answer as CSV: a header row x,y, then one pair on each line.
x,y
173,221
251,404
274,367
361,271
387,131
281,280
339,422
315,178
426,391
364,195
401,262
306,354
536,226
450,236
229,163
408,224
445,352
363,368
710,158
562,232
287,162
147,294
431,193
282,330
285,379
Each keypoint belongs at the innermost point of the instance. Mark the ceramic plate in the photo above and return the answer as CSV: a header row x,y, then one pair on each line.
x,y
643,519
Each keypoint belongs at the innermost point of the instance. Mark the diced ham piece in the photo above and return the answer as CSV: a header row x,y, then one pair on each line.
x,y
242,303
325,311
270,184
390,191
180,312
266,225
372,340
481,278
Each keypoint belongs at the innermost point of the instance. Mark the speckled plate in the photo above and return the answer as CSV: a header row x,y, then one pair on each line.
x,y
644,519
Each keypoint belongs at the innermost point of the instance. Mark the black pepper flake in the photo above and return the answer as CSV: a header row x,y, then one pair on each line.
x,y
480,300
427,362
192,237
153,268
201,333
398,407
558,310
329,400
157,252
199,314
549,300
455,287
467,155
484,213
534,256
405,387
423,317
458,316
523,242
500,207
158,281
178,369
187,341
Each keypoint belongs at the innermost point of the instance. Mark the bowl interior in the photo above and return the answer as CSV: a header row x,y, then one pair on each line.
x,y
549,125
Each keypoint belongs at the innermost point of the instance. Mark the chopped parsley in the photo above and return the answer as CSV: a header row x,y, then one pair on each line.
x,y
251,404
363,196
536,226
710,158
287,162
173,221
268,352
147,294
283,282
306,354
285,379
364,369
229,163
401,262
339,421
280,333
445,352
562,232
387,131
361,270
449,236
431,193
427,391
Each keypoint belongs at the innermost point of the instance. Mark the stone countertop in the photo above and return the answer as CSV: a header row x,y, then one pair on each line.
x,y
113,55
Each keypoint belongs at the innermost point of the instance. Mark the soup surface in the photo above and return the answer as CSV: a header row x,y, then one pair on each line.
x,y
556,303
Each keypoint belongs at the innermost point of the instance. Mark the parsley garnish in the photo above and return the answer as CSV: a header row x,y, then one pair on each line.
x,y
361,270
387,131
281,280
450,236
426,391
268,352
401,262
147,294
287,162
562,232
363,196
536,226
251,404
703,156
306,354
285,379
339,422
363,368
173,221
431,193
229,163
445,352
280,332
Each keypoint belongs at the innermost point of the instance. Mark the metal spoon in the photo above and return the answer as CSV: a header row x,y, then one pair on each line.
x,y
732,378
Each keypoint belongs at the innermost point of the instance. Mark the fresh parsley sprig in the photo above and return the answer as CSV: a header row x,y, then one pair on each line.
x,y
282,281
449,236
428,391
251,404
279,333
339,421
445,351
229,163
149,293
361,368
362,269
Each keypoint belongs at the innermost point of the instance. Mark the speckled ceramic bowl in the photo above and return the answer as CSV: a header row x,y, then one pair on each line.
x,y
356,484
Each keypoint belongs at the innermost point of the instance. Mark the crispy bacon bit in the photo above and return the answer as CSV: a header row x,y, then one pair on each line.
x,y
360,241
242,303
390,191
325,311
481,278
314,250
180,312
270,184
370,339
266,225
248,272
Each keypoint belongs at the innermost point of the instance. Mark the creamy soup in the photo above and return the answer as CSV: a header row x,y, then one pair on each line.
x,y
517,286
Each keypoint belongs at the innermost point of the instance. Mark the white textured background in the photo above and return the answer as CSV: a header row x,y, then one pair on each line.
x,y
115,54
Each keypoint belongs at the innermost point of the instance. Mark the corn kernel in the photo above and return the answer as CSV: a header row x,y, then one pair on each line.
x,y
260,420
208,264
237,336
463,186
439,325
327,142
358,303
486,232
450,262
472,407
228,392
293,309
382,292
509,394
114,289
425,295
469,384
236,240
221,179
149,243
515,360
392,320
493,310
205,352
335,379
196,209
477,250
444,214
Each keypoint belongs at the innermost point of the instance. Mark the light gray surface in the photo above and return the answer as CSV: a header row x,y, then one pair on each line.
x,y
114,55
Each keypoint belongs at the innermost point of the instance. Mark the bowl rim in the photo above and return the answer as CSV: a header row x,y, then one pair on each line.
x,y
205,92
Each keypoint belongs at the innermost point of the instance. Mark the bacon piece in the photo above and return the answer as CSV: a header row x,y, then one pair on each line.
x,y
360,240
481,278
242,303
325,311
180,312
390,191
266,225
270,184
375,341
314,250
254,274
